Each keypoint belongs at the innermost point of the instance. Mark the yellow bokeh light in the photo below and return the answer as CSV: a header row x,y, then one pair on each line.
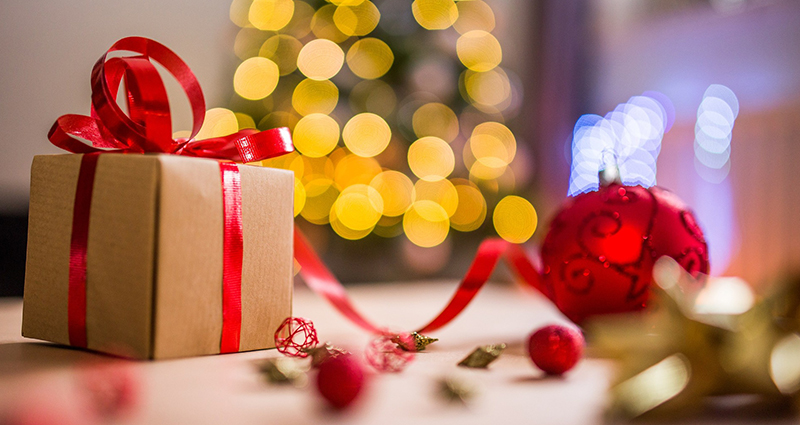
x,y
435,119
370,58
366,134
345,232
271,15
374,96
322,25
299,196
218,122
431,158
514,219
239,11
320,59
493,140
244,121
443,192
316,168
471,211
435,14
320,196
354,169
479,51
256,78
488,168
283,50
474,15
426,224
359,207
490,88
248,41
358,20
300,25
316,135
315,97
346,2
397,192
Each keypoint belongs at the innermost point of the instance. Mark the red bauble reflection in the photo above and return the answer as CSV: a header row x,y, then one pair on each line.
x,y
599,252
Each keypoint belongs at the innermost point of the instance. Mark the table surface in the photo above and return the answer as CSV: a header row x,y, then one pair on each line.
x,y
228,388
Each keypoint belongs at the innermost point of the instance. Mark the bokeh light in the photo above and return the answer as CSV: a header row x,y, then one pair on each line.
x,y
316,135
515,219
628,137
474,15
435,14
358,19
315,97
426,224
366,134
218,122
256,78
435,119
479,51
320,59
431,158
323,27
370,58
471,211
443,192
405,113
397,192
283,50
713,133
270,15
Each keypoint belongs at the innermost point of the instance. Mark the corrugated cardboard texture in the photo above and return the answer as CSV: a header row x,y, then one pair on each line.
x,y
119,260
267,267
189,285
154,261
53,179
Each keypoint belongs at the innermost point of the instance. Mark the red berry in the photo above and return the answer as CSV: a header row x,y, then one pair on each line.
x,y
340,380
555,349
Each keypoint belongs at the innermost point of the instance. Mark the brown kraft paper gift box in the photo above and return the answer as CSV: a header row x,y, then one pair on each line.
x,y
155,254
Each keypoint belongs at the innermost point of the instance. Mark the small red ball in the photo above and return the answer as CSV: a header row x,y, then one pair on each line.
x,y
340,380
555,349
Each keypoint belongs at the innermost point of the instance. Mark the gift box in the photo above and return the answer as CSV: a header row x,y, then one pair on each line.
x,y
154,257
149,246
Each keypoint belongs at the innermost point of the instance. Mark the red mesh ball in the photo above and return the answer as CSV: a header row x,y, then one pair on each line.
x,y
340,380
599,253
555,349
384,355
295,336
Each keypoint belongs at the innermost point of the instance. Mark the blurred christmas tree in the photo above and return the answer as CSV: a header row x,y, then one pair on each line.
x,y
417,95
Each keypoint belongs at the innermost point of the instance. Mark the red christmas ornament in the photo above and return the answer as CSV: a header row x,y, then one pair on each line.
x,y
340,380
599,253
555,349
295,337
385,355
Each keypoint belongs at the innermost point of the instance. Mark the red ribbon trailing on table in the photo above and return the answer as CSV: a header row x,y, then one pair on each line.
x,y
148,128
491,250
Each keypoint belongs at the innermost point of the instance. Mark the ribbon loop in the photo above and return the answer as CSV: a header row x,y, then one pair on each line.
x,y
147,127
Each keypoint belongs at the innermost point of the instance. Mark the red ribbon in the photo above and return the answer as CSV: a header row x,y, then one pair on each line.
x,y
320,279
148,128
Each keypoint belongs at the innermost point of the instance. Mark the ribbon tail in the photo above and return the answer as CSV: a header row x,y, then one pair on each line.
x,y
322,281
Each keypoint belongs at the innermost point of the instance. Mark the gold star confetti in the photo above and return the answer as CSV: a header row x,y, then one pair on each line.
x,y
716,340
483,356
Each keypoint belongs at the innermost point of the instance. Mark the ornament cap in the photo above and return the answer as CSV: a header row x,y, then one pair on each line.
x,y
609,169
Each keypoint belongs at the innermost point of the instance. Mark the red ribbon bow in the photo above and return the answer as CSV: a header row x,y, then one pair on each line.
x,y
148,126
